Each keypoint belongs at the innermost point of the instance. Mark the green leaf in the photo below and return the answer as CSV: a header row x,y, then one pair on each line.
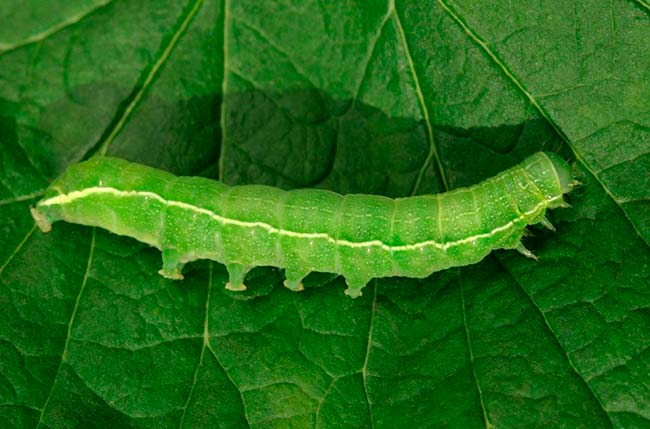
x,y
392,98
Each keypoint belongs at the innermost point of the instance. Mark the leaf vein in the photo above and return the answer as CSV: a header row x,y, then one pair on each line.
x,y
69,331
36,38
24,197
364,368
468,338
150,75
433,150
561,347
17,249
204,345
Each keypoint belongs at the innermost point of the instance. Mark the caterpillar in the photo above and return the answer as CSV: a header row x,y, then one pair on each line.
x,y
357,236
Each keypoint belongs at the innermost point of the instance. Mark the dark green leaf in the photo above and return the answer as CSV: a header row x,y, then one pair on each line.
x,y
392,98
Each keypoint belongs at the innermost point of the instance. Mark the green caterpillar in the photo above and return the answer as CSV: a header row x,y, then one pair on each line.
x,y
358,236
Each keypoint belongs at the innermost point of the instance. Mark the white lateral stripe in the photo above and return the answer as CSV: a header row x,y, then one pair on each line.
x,y
76,195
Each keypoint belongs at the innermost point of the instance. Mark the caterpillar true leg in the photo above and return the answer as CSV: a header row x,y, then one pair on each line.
x,y
527,253
547,223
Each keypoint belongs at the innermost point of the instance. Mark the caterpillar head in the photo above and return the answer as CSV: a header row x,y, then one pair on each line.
x,y
563,171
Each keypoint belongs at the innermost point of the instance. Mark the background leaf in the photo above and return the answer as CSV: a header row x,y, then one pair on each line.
x,y
392,98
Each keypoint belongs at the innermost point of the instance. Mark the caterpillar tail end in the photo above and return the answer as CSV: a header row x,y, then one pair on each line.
x,y
41,220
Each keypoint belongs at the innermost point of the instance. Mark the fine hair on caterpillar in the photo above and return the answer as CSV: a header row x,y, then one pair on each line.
x,y
357,236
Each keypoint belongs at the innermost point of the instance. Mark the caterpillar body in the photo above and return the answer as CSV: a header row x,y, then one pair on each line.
x,y
358,236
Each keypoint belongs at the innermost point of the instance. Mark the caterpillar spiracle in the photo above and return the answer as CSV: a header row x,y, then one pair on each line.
x,y
357,236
